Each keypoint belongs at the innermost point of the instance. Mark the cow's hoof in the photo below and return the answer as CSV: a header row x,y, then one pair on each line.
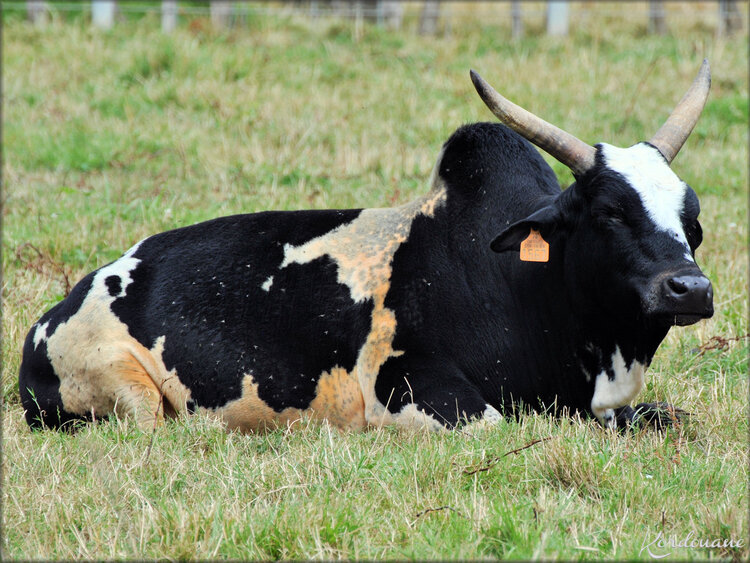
x,y
658,416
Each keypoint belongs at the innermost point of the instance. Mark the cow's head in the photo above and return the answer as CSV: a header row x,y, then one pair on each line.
x,y
628,227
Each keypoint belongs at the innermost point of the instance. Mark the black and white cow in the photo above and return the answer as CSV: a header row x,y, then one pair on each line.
x,y
425,314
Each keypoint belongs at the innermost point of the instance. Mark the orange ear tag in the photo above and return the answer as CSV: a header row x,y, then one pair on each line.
x,y
534,248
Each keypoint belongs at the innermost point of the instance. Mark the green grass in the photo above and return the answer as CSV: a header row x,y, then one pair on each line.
x,y
112,136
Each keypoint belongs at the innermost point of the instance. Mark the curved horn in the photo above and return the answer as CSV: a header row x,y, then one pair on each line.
x,y
676,129
571,151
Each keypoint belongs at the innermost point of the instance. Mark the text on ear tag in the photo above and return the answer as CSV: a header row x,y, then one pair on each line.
x,y
535,248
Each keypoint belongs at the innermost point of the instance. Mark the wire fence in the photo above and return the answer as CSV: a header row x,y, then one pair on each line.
x,y
430,17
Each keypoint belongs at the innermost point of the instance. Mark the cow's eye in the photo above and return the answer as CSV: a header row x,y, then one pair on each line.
x,y
612,217
694,234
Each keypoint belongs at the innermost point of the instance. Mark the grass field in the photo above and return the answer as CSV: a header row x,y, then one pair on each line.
x,y
112,136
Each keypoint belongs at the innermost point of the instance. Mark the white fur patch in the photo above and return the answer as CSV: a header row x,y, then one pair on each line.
x,y
660,190
618,392
267,284
130,251
489,419
491,414
40,333
120,268
414,418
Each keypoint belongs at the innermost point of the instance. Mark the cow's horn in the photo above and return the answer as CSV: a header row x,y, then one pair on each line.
x,y
571,151
676,129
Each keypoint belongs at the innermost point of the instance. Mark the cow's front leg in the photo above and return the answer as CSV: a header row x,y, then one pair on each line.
x,y
658,416
432,394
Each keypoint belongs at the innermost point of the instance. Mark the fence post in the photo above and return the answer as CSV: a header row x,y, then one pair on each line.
x,y
516,19
657,21
357,20
371,10
429,17
557,17
103,13
220,12
36,12
730,19
168,15
392,13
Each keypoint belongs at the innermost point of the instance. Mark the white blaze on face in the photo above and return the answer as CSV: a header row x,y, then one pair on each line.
x,y
610,394
660,190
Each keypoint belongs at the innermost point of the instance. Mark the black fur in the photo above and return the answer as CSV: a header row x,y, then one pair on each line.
x,y
220,324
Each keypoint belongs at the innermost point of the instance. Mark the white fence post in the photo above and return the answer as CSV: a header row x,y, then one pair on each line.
x,y
516,17
168,15
103,13
557,17
730,18
36,11
392,13
429,17
220,12
657,21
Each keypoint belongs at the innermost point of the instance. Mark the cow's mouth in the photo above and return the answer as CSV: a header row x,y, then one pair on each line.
x,y
686,319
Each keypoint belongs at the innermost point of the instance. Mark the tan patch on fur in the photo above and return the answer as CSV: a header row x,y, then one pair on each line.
x,y
250,412
363,251
175,392
337,399
102,369
137,394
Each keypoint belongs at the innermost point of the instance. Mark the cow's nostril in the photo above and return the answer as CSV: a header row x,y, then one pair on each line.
x,y
677,286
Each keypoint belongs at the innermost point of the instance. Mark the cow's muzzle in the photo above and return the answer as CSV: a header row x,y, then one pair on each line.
x,y
680,299
687,298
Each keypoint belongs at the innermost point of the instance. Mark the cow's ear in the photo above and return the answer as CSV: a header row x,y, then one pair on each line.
x,y
545,220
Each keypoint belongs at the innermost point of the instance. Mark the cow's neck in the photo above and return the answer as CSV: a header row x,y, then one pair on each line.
x,y
575,353
613,357
561,348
